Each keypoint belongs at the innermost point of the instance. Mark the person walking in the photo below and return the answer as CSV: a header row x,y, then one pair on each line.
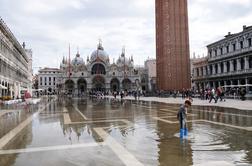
x,y
212,96
181,115
122,95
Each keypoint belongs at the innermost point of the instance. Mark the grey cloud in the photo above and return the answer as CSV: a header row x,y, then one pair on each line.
x,y
117,22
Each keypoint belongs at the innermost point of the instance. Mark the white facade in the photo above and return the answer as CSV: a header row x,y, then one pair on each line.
x,y
98,74
151,67
14,62
48,80
228,64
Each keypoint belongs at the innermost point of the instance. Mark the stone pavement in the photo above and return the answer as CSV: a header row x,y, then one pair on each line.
x,y
229,103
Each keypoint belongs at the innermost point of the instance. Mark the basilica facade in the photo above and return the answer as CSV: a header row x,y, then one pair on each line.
x,y
97,73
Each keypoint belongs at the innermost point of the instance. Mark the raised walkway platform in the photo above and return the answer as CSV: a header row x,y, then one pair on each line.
x,y
229,103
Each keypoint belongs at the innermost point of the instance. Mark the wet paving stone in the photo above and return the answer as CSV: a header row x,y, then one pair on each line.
x,y
106,132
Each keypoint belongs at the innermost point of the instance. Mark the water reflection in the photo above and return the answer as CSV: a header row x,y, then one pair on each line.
x,y
133,126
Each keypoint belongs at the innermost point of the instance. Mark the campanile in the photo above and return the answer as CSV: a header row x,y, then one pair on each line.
x,y
172,45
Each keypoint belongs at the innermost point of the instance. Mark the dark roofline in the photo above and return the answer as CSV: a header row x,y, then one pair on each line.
x,y
229,35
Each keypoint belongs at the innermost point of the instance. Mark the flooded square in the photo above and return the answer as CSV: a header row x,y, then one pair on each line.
x,y
109,132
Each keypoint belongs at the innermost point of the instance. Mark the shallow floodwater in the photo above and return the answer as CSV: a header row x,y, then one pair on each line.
x,y
104,132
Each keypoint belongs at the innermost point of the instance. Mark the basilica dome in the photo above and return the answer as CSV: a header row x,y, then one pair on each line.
x,y
99,54
122,60
78,60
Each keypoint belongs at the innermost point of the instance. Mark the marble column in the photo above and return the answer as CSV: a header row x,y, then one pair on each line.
x,y
225,66
214,71
246,82
219,68
238,64
231,66
204,71
246,60
208,70
225,84
205,85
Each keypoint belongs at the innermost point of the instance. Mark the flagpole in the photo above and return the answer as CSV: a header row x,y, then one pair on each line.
x,y
69,70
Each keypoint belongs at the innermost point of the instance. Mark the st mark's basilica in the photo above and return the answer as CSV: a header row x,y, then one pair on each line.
x,y
99,74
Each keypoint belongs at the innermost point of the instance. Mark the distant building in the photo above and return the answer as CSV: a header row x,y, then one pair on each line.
x,y
15,73
151,67
228,64
98,73
48,80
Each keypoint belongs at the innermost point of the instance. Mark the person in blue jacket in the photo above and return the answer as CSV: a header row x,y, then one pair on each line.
x,y
182,117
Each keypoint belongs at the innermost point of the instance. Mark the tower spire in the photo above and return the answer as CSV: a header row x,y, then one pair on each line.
x,y
100,45
123,52
78,52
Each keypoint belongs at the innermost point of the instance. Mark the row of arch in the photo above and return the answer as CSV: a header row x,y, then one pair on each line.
x,y
98,84
215,84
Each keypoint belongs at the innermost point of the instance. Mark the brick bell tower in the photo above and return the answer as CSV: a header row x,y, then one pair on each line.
x,y
172,45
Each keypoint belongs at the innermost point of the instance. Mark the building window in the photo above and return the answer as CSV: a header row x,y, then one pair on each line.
x,y
242,64
221,51
49,79
250,62
41,80
227,48
235,65
215,52
216,68
234,47
241,44
228,66
210,54
222,67
250,42
54,79
49,83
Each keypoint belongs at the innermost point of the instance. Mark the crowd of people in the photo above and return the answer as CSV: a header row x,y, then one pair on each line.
x,y
211,94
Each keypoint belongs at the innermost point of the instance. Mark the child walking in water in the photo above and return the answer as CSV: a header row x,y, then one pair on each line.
x,y
182,117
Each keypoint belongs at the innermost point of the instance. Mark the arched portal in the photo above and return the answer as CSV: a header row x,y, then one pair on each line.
x,y
69,86
114,85
82,86
98,84
98,69
126,83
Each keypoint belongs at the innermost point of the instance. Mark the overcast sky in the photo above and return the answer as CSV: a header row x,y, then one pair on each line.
x,y
47,26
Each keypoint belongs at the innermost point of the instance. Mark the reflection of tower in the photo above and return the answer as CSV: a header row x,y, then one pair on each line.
x,y
172,44
173,150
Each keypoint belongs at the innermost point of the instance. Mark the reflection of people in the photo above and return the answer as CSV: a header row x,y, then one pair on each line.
x,y
182,117
243,93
